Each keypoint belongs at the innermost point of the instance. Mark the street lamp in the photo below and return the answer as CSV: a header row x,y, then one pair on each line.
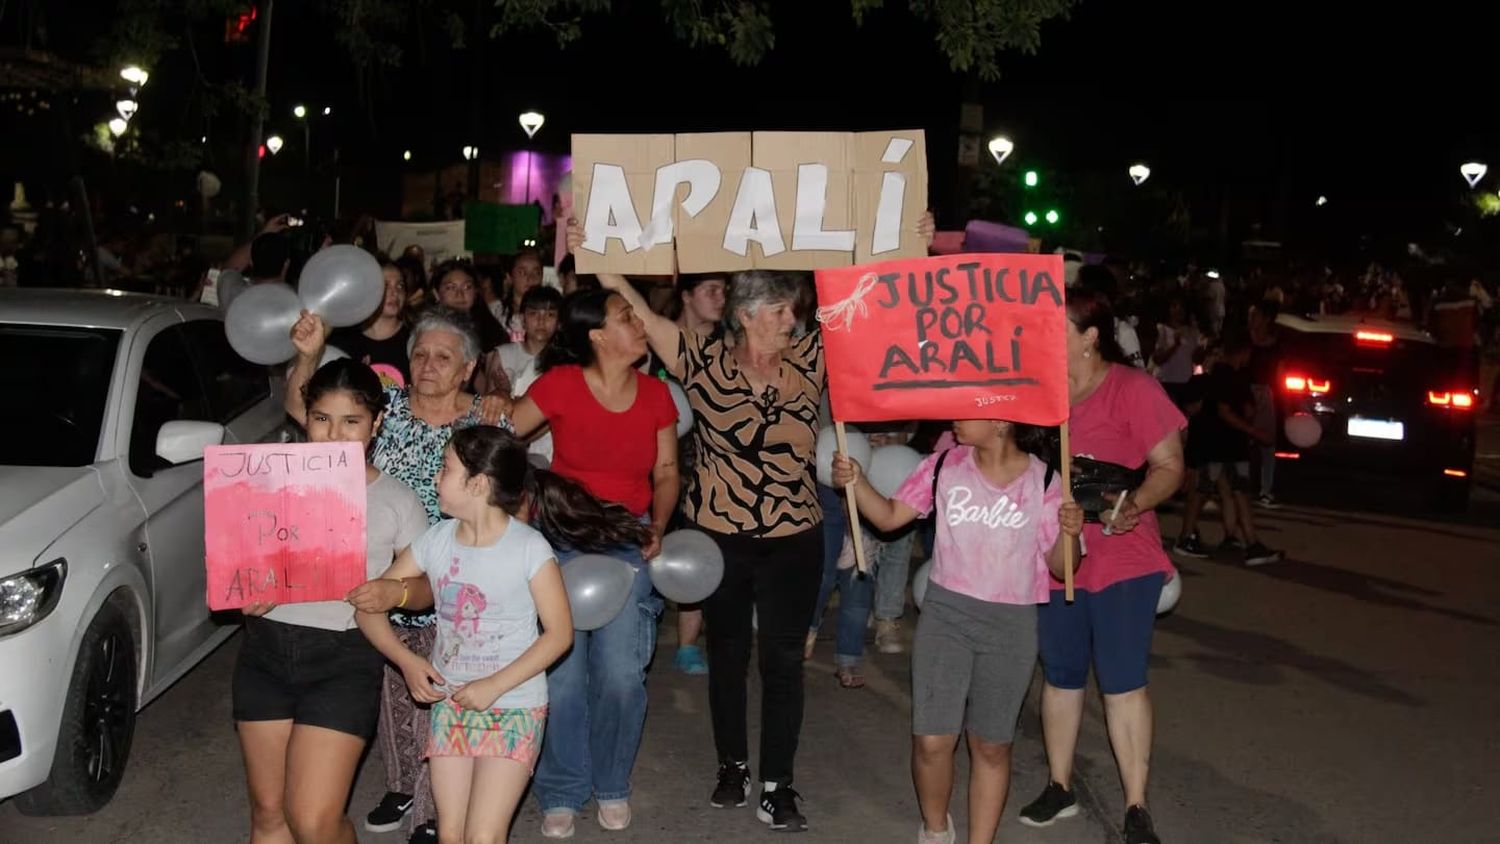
x,y
406,156
531,121
1473,171
134,75
1001,147
274,144
327,110
126,108
1030,218
117,126
470,153
1053,216
1321,201
299,111
1139,173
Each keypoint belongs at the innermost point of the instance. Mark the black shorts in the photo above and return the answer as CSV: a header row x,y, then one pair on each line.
x,y
307,675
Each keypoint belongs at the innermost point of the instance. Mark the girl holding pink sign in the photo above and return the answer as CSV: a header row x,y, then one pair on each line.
x,y
306,689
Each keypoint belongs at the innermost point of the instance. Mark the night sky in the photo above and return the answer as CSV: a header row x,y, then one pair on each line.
x,y
1262,101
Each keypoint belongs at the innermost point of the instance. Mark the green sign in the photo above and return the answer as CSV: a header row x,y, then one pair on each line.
x,y
500,229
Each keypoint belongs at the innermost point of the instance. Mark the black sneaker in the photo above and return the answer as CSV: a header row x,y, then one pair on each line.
x,y
733,789
424,834
1190,546
1053,803
1138,829
779,809
1258,555
1230,545
388,816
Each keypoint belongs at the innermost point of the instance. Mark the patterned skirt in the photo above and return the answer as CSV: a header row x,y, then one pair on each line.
x,y
500,733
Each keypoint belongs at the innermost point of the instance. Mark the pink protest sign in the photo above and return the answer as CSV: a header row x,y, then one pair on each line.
x,y
283,522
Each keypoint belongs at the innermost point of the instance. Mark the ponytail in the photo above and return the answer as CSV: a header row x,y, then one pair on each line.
x,y
568,515
560,508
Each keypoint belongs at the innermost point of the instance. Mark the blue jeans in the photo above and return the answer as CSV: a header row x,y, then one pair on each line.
x,y
596,702
856,591
891,569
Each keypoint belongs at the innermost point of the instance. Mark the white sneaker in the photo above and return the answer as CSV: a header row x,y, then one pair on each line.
x,y
926,836
557,825
614,815
888,636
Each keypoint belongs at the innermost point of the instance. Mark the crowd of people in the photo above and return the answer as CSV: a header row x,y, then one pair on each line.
x,y
480,398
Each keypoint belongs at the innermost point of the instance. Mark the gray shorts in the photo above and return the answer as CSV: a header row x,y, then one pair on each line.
x,y
971,663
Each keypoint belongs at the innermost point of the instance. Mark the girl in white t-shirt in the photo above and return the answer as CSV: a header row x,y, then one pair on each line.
x,y
494,580
306,688
1001,526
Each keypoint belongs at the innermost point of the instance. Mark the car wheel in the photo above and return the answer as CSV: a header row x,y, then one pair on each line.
x,y
98,722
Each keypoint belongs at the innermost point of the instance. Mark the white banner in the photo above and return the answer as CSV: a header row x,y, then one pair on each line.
x,y
439,241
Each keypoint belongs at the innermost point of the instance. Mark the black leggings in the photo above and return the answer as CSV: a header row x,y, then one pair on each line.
x,y
779,577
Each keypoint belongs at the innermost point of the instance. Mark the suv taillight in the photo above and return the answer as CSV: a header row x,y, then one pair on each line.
x,y
1456,400
1308,384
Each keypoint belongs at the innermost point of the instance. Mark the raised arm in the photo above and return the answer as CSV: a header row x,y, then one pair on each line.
x,y
310,337
663,334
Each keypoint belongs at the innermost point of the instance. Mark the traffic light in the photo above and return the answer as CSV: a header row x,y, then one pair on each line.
x,y
1031,178
1030,218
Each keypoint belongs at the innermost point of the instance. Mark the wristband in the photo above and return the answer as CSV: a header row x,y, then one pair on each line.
x,y
405,592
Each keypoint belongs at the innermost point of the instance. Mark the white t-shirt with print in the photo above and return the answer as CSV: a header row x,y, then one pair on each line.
x,y
486,617
394,518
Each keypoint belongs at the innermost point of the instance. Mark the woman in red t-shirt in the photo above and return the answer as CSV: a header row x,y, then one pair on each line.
x,y
614,430
1121,415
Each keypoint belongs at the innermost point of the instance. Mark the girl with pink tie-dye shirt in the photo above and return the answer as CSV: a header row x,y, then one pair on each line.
x,y
1001,528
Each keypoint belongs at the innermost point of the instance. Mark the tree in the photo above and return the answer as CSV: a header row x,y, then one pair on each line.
x,y
973,34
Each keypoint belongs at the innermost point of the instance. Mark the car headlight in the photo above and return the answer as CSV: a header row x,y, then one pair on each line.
x,y
28,597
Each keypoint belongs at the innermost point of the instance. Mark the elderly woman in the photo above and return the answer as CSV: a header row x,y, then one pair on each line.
x,y
417,422
754,393
1121,415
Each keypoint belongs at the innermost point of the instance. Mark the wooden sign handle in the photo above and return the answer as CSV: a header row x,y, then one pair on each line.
x,y
1067,492
858,535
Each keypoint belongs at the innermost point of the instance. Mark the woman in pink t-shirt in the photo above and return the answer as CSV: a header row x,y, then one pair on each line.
x,y
1119,415
1001,519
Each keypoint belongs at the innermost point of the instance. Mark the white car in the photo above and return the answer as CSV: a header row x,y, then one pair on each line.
x,y
110,400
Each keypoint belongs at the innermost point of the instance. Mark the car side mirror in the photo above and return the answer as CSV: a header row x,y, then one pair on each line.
x,y
183,441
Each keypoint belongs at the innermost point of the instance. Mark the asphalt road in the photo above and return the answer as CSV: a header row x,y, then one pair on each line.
x,y
1345,695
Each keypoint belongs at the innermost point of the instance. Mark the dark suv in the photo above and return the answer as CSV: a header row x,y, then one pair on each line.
x,y
1369,399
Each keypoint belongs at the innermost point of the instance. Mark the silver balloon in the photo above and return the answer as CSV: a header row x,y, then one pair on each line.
x,y
859,450
230,285
689,567
598,588
259,323
919,583
684,410
1171,592
342,284
890,466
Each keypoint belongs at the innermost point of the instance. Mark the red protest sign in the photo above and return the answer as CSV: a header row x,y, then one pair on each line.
x,y
977,336
283,522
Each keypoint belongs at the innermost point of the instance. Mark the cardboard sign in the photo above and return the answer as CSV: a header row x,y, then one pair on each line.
x,y
951,337
717,202
283,522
